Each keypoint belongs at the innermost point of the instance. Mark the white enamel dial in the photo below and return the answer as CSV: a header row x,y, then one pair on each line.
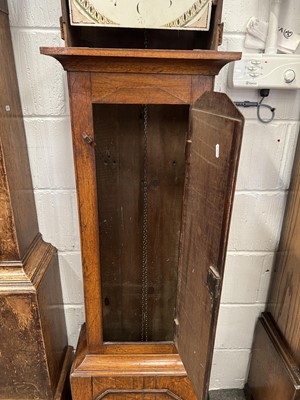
x,y
176,14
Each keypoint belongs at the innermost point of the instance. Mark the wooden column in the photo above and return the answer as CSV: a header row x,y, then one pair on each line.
x,y
34,354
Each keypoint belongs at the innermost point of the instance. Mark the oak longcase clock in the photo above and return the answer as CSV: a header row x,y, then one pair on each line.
x,y
156,155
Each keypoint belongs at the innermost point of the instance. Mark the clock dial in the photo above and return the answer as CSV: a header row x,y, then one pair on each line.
x,y
163,14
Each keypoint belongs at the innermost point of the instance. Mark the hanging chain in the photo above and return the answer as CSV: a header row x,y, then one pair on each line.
x,y
145,233
145,224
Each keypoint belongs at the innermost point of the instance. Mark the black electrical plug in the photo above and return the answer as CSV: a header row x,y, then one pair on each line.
x,y
264,92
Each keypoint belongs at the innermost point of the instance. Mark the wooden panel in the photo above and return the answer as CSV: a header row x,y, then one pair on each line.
x,y
118,162
23,363
284,300
22,221
212,158
119,38
82,124
200,85
9,249
50,303
148,88
142,88
82,388
63,390
167,132
119,159
273,374
143,388
3,6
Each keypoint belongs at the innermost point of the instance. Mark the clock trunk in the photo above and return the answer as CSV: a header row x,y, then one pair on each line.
x,y
156,155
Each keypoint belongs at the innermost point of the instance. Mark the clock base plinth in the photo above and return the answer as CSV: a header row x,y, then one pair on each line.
x,y
35,357
128,376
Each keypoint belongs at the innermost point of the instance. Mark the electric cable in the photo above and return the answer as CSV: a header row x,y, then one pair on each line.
x,y
259,105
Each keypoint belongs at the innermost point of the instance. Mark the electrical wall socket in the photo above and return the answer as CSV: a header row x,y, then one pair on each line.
x,y
265,71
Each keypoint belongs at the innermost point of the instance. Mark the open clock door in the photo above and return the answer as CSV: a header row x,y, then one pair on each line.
x,y
213,149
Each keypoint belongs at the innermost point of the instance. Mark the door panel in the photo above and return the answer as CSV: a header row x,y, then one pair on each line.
x,y
212,156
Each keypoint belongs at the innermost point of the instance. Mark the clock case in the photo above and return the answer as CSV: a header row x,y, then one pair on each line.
x,y
35,358
118,91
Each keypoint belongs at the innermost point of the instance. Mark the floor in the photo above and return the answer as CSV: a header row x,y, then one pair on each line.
x,y
234,394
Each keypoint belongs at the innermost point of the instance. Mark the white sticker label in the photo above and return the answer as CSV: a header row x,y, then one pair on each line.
x,y
217,150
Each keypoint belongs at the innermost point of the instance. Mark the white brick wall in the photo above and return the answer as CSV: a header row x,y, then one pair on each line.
x,y
266,160
264,175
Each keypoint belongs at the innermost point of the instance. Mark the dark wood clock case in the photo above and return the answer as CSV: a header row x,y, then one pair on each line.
x,y
156,155
34,353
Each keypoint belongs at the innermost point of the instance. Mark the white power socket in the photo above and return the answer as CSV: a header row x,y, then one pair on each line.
x,y
265,71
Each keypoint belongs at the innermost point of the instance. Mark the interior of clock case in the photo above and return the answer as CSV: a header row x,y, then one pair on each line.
x,y
138,289
140,168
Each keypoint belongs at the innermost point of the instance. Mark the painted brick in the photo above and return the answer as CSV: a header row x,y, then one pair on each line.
x,y
233,42
290,15
265,280
236,326
256,221
236,14
267,155
58,218
35,13
229,369
50,152
246,278
71,277
74,319
41,78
